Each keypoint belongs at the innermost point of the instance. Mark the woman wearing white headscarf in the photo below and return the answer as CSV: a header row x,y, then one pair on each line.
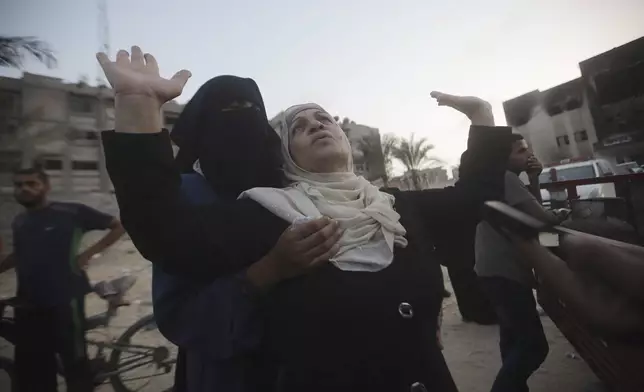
x,y
366,320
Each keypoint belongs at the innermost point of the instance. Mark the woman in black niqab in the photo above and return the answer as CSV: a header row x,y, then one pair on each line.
x,y
225,128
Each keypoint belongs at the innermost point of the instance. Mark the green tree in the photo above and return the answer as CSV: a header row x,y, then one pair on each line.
x,y
388,143
414,154
14,50
377,154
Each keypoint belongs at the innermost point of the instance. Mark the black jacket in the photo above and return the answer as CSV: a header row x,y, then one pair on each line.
x,y
331,329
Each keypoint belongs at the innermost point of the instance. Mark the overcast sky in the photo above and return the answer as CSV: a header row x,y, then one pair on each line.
x,y
373,61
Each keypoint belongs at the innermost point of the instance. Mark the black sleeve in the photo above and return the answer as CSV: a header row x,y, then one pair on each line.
x,y
199,242
91,219
481,178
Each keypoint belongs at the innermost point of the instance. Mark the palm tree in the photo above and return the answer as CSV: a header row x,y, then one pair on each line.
x,y
414,155
388,143
13,51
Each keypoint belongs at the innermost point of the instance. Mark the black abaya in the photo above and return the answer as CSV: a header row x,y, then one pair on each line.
x,y
361,326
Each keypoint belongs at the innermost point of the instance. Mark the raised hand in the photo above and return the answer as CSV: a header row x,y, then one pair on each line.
x,y
535,168
476,109
138,74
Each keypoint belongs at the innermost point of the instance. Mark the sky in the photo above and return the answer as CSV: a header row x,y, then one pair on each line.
x,y
372,61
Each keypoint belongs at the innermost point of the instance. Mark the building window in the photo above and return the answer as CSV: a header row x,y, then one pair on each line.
x,y
573,103
554,110
9,103
78,135
8,128
581,136
10,161
85,165
81,104
563,140
52,164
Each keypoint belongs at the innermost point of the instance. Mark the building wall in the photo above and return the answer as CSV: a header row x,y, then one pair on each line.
x,y
557,123
610,92
367,150
46,121
614,81
434,177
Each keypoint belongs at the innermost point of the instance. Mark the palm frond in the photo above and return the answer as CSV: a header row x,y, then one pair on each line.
x,y
414,154
14,50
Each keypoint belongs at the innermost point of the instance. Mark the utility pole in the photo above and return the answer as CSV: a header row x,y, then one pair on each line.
x,y
103,94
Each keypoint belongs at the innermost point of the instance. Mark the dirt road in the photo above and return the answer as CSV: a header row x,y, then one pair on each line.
x,y
471,350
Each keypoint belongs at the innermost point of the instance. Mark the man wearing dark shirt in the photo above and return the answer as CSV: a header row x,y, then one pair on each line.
x,y
52,283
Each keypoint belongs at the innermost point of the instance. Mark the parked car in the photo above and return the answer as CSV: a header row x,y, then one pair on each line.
x,y
629,168
570,170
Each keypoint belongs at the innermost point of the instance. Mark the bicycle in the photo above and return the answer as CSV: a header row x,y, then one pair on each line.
x,y
112,357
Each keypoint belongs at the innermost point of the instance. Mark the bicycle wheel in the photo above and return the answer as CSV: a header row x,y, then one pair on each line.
x,y
7,380
142,347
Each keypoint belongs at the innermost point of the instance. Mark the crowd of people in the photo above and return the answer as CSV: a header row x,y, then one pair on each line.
x,y
276,268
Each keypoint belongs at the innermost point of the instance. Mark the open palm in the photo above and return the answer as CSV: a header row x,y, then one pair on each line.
x,y
466,105
138,74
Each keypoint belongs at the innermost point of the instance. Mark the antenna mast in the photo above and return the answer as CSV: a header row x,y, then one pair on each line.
x,y
103,37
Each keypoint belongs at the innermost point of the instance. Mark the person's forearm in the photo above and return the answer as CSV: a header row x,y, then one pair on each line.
x,y
483,116
621,267
8,263
137,114
263,274
602,311
108,240
163,228
535,188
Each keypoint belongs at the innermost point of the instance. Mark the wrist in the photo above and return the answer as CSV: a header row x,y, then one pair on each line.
x,y
137,113
483,116
263,274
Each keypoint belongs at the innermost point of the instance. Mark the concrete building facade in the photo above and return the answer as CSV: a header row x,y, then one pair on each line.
x,y
599,114
614,83
557,122
434,177
45,121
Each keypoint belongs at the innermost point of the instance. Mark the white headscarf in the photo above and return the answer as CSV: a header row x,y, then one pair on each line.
x,y
371,225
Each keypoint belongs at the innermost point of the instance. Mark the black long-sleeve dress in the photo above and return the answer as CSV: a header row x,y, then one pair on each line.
x,y
330,330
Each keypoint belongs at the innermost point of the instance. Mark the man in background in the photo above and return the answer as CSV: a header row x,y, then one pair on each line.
x,y
52,283
508,283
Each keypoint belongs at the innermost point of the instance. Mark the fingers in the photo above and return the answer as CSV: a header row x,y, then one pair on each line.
x,y
328,248
102,58
325,257
318,238
440,98
122,57
304,230
137,57
151,63
182,77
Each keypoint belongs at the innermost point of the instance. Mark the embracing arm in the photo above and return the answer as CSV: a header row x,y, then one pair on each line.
x,y
201,242
221,318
